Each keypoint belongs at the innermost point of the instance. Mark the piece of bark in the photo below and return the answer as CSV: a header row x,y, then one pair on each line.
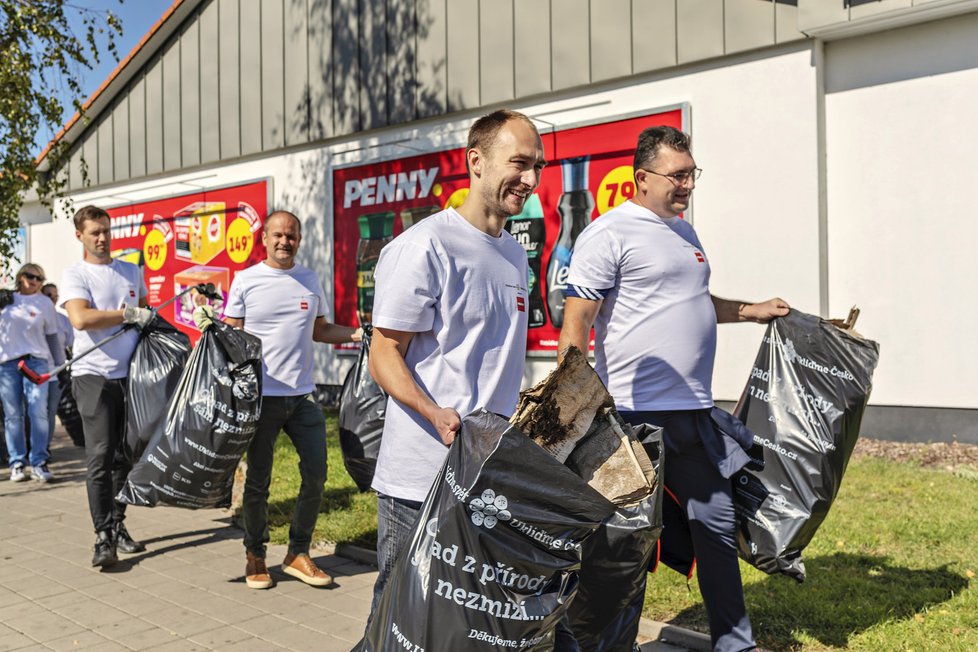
x,y
557,412
613,462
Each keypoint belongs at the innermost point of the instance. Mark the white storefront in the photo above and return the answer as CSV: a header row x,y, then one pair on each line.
x,y
837,173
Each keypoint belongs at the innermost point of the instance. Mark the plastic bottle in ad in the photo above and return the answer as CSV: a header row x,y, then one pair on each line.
x,y
376,230
575,207
530,232
411,216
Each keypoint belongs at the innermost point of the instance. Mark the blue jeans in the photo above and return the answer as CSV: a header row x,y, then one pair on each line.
x,y
15,391
303,421
395,522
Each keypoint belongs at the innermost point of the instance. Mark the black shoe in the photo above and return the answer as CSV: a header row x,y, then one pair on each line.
x,y
125,543
104,550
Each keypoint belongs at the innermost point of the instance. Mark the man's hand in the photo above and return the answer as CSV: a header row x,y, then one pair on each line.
x,y
764,312
136,315
357,335
203,316
447,423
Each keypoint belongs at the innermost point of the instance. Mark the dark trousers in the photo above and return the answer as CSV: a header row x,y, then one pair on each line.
x,y
102,406
303,421
707,499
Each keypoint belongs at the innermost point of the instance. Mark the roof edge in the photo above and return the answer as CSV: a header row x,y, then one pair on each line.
x,y
102,97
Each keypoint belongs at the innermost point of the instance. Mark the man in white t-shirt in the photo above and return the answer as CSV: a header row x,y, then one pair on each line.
x,y
450,322
640,276
283,304
102,295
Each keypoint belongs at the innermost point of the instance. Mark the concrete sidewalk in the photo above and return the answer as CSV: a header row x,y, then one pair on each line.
x,y
186,592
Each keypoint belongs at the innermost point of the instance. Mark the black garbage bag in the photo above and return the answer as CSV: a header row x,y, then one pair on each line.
x,y
209,423
493,560
604,615
68,412
804,401
154,371
363,405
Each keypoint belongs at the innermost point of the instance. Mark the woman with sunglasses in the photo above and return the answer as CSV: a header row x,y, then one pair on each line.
x,y
28,331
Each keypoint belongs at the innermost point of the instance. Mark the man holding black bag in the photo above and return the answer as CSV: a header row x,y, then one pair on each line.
x,y
450,323
101,295
284,305
640,276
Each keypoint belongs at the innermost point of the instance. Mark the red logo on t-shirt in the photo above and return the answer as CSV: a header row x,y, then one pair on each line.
x,y
132,293
700,258
521,304
303,305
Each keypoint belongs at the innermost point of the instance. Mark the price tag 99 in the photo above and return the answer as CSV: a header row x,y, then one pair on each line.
x,y
154,250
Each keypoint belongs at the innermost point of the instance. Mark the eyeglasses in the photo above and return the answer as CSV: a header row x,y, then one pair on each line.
x,y
679,178
33,277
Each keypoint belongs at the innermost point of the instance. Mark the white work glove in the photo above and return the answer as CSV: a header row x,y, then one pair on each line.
x,y
203,317
136,315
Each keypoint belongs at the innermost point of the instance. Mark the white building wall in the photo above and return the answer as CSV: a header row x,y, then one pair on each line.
x,y
901,139
755,208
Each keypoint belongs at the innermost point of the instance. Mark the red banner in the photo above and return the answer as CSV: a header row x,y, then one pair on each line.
x,y
589,171
179,242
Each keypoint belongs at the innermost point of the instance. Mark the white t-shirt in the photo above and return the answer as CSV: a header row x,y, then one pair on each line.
x,y
280,307
463,293
66,334
104,287
24,325
655,334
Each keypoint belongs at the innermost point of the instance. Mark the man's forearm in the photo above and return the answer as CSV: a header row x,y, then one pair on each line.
x,y
85,319
328,333
735,311
388,368
579,316
728,311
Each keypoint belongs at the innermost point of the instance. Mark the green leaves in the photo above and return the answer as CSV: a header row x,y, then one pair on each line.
x,y
40,60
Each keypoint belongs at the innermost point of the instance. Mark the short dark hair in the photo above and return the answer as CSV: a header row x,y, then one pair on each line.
x,y
651,140
298,222
47,286
86,213
482,133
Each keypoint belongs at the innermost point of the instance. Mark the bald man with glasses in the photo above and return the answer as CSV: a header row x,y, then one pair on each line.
x,y
640,276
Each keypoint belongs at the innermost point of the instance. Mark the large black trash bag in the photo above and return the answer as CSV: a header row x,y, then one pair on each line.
x,y
209,423
68,412
154,371
363,405
605,614
493,559
804,401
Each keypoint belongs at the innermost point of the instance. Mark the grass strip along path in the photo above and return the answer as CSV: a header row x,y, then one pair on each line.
x,y
892,567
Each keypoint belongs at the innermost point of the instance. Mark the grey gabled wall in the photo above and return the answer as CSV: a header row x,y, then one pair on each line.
x,y
241,77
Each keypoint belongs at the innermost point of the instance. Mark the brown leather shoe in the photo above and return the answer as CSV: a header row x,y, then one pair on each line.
x,y
302,567
256,574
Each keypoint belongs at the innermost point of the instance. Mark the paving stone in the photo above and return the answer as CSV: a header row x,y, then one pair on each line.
x,y
15,641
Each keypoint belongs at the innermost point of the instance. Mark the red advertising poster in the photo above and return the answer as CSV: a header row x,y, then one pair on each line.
x,y
589,171
202,237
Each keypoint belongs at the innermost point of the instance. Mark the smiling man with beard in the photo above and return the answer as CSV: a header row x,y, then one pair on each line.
x,y
450,322
284,305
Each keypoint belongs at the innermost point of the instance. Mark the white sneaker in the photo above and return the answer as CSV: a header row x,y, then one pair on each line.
x,y
41,473
17,473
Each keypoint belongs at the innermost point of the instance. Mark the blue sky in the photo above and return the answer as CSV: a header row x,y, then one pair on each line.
x,y
137,17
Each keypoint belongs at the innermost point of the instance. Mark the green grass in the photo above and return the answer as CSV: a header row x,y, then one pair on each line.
x,y
891,568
